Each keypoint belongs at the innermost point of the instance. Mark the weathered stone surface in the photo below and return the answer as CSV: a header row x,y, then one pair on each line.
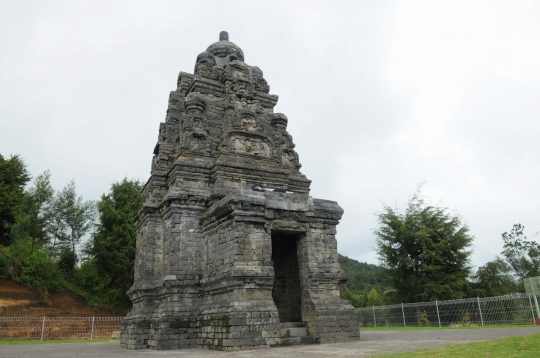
x,y
232,252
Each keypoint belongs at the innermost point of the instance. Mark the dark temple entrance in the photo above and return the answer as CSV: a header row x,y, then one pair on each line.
x,y
286,291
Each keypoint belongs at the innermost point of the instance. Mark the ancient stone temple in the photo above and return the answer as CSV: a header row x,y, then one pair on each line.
x,y
232,252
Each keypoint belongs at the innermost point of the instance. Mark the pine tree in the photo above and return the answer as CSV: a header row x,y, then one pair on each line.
x,y
522,255
13,178
426,251
113,243
76,214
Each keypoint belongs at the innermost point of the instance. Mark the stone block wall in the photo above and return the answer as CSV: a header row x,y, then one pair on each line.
x,y
230,246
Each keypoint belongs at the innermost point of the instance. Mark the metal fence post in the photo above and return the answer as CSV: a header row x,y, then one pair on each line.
x,y
403,312
374,320
438,317
92,332
480,310
536,304
42,328
532,309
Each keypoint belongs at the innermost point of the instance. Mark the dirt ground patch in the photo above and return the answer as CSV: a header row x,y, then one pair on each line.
x,y
20,301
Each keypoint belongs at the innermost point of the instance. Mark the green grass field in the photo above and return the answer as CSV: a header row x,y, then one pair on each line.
x,y
523,347
17,341
397,328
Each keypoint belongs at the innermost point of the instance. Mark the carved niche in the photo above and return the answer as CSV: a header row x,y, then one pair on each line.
x,y
194,127
289,158
240,143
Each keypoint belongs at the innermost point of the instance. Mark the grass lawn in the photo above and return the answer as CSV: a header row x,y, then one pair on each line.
x,y
412,328
35,341
524,346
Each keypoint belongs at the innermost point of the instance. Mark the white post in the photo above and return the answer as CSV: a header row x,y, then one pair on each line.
x,y
438,317
532,310
374,320
92,332
480,310
42,328
534,296
403,312
537,308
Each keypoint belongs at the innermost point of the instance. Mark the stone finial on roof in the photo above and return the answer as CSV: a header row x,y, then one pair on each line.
x,y
223,36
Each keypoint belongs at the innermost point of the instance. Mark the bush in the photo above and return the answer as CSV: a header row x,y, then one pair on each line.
x,y
31,268
67,262
357,300
96,288
424,320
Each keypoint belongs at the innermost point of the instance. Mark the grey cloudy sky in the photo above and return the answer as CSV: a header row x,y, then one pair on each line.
x,y
380,96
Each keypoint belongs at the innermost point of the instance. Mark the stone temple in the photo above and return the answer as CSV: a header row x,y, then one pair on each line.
x,y
232,252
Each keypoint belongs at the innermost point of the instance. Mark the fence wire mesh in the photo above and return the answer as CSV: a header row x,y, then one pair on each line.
x,y
508,309
47,328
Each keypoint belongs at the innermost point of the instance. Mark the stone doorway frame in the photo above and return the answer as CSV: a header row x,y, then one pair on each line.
x,y
239,275
277,238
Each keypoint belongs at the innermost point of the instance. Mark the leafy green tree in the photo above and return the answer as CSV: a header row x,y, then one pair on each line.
x,y
24,260
31,267
493,279
13,178
522,255
357,299
67,262
113,244
76,215
426,251
374,298
57,228
33,213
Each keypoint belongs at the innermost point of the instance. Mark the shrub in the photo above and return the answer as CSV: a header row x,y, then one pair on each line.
x,y
424,319
31,267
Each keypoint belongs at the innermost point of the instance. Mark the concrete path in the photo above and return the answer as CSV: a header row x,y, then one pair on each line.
x,y
372,343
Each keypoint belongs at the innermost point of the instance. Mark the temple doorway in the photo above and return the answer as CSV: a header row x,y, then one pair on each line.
x,y
286,291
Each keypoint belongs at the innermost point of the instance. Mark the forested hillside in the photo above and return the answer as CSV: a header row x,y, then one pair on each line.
x,y
367,282
55,241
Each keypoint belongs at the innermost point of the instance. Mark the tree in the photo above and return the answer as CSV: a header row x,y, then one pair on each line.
x,y
493,279
374,298
76,214
57,228
426,251
356,299
24,260
522,255
13,178
33,213
113,244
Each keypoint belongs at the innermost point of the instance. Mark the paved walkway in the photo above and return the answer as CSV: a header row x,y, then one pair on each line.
x,y
371,343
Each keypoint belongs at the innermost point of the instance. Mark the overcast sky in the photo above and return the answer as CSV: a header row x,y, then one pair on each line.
x,y
380,97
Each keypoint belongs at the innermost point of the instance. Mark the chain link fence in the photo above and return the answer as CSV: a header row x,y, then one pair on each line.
x,y
508,309
45,328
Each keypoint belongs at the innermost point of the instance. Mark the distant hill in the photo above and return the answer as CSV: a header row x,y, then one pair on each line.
x,y
363,277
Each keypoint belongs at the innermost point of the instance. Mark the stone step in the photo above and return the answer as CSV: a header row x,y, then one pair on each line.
x,y
292,341
293,332
292,324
